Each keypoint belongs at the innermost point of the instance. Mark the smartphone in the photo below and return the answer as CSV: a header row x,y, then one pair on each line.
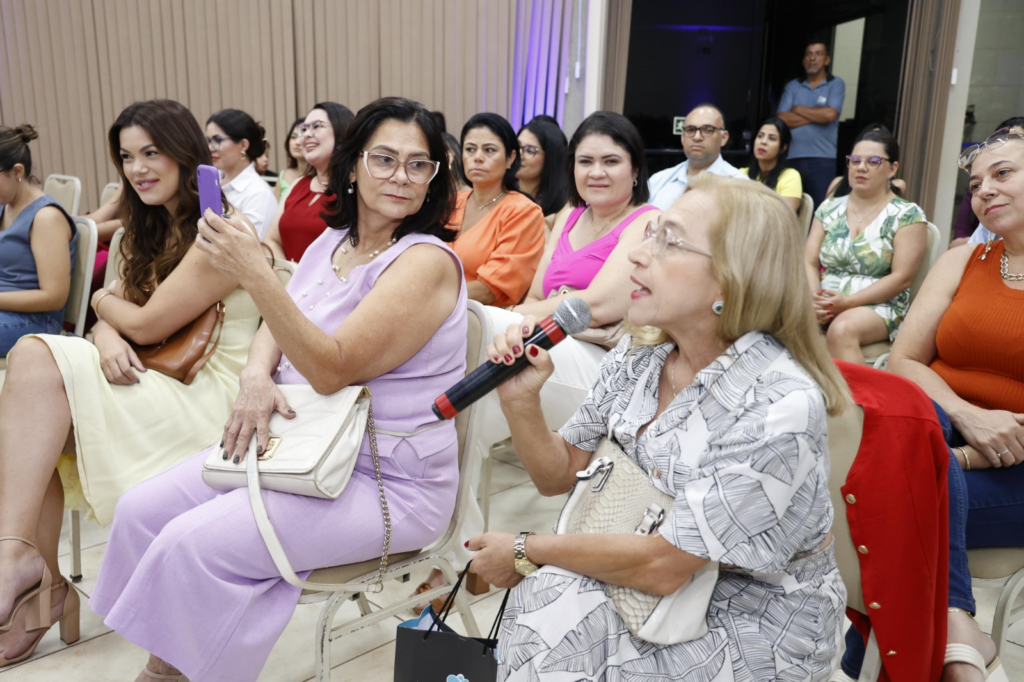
x,y
209,190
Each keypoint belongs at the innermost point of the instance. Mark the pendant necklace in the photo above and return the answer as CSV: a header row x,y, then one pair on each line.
x,y
485,205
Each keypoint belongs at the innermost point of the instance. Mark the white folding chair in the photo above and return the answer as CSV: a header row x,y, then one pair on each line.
x,y
108,191
400,564
806,213
66,189
877,354
1003,568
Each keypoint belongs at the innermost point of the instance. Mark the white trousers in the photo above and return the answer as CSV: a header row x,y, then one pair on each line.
x,y
576,369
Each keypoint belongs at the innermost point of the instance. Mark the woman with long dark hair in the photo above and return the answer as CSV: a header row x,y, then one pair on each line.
x,y
298,221
116,423
296,166
395,321
236,141
501,231
768,164
542,174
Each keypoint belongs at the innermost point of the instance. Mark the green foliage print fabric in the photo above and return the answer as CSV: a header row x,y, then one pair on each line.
x,y
852,265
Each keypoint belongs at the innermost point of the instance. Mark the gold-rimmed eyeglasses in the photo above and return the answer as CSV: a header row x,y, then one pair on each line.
x,y
383,166
994,141
663,238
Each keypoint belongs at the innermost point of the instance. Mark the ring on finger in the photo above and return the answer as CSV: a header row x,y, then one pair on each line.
x,y
1006,451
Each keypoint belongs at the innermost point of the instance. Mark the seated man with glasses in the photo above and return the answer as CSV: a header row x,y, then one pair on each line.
x,y
703,136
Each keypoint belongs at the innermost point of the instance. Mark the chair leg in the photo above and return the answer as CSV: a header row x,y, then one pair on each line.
x,y
1004,608
364,604
487,488
871,668
322,650
76,546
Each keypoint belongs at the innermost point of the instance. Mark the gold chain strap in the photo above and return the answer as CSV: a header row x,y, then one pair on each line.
x,y
372,430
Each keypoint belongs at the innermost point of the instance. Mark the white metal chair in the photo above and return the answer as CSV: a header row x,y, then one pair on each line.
x,y
66,189
877,354
400,564
1001,567
114,260
806,213
844,434
108,191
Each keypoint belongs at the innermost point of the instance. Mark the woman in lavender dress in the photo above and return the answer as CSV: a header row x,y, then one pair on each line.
x,y
186,575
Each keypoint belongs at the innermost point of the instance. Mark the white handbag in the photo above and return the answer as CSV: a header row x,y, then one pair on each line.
x,y
313,454
613,495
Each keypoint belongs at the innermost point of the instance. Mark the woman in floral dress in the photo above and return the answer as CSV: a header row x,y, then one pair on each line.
x,y
721,396
864,250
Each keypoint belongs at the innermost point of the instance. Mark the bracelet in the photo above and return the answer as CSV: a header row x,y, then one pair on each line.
x,y
96,305
967,460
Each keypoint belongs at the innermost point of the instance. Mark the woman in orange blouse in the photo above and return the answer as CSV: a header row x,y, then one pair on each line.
x,y
501,231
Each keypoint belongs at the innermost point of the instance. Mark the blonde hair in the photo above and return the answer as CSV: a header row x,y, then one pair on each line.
x,y
757,259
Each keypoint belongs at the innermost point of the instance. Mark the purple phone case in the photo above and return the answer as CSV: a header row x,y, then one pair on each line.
x,y
209,189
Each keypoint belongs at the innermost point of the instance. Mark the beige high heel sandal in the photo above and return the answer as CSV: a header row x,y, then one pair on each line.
x,y
176,677
69,623
958,652
36,599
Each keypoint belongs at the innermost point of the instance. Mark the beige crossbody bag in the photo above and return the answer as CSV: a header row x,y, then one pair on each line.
x,y
312,454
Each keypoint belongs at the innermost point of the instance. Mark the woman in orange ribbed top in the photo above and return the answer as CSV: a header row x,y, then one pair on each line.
x,y
961,343
501,231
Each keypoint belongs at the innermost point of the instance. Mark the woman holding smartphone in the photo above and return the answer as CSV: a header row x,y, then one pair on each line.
x,y
115,423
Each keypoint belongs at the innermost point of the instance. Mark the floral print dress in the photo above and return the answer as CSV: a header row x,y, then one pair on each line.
x,y
852,265
744,451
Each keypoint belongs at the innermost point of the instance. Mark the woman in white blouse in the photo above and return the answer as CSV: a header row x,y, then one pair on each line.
x,y
236,141
720,395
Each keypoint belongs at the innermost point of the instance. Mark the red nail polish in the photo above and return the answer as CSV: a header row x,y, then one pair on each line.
x,y
467,544
497,358
526,330
534,351
508,358
515,350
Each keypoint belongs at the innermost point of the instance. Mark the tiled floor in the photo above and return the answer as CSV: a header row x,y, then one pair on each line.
x,y
367,655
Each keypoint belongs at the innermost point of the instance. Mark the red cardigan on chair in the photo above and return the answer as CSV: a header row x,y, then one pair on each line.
x,y
901,512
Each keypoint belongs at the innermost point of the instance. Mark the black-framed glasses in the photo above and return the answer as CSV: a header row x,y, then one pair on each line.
x,y
994,141
217,140
663,238
873,161
531,150
705,130
312,127
383,166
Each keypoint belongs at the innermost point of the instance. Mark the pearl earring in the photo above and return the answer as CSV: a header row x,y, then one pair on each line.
x,y
351,189
717,307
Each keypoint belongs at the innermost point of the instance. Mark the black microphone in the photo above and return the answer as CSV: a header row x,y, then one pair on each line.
x,y
571,317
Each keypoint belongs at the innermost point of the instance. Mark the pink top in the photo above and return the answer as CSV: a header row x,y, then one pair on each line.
x,y
578,268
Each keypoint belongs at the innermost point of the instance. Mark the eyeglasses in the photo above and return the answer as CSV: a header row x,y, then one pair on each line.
x,y
530,150
663,237
217,140
312,127
994,141
705,131
873,161
383,166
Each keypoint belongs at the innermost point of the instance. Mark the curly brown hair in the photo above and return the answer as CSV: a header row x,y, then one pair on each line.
x,y
155,240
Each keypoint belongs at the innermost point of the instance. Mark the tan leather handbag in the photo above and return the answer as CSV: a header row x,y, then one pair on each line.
x,y
182,354
613,495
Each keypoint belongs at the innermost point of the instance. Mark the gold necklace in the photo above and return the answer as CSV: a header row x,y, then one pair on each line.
x,y
485,205
608,222
1004,270
856,215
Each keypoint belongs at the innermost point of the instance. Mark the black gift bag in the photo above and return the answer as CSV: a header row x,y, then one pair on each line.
x,y
439,654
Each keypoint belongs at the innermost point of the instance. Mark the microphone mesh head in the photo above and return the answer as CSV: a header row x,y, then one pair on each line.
x,y
573,315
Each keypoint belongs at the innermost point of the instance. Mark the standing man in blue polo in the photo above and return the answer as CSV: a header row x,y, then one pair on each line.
x,y
810,106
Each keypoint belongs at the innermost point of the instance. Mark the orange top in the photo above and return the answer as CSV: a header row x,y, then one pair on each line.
x,y
979,338
504,248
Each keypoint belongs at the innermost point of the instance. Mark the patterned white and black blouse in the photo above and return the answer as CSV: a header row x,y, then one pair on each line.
x,y
744,451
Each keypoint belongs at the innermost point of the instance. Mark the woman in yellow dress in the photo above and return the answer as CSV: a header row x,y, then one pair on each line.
x,y
117,423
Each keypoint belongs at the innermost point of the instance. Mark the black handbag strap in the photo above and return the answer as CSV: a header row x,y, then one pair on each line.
x,y
447,607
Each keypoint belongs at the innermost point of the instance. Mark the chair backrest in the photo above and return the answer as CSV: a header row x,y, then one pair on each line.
x,y
477,338
806,213
108,191
844,433
114,259
931,254
81,275
66,189
285,269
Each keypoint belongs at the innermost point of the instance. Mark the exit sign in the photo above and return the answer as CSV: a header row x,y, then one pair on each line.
x,y
677,125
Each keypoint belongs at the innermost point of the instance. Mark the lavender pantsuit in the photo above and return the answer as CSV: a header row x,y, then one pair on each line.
x,y
186,574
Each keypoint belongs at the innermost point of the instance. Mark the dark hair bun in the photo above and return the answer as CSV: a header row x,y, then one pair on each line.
x,y
26,132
